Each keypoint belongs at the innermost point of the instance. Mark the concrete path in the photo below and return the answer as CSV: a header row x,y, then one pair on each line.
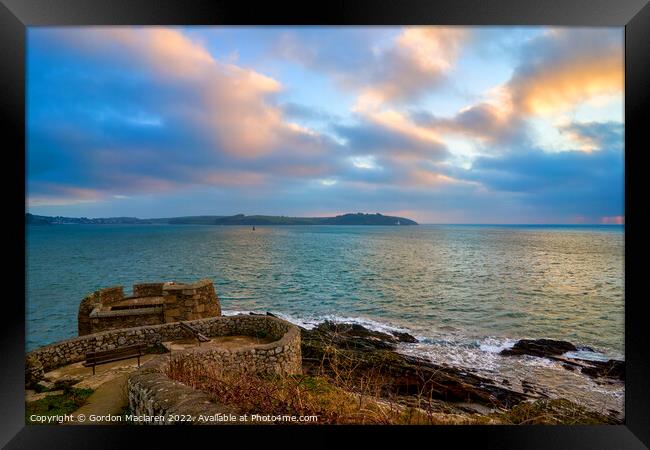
x,y
108,399
108,383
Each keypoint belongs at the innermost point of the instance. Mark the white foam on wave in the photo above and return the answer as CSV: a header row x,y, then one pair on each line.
x,y
495,345
482,353
482,357
313,321
587,355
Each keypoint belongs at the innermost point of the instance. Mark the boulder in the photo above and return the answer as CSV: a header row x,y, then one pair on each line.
x,y
539,347
610,369
359,354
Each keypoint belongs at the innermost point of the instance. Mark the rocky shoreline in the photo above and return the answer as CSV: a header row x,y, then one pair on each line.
x,y
331,348
551,349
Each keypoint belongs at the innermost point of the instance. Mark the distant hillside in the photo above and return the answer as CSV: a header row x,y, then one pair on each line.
x,y
239,219
345,219
33,219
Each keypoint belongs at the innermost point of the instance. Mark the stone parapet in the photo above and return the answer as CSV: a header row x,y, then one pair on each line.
x,y
280,356
151,393
167,302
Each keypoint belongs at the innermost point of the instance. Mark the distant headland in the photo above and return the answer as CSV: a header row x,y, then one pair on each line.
x,y
238,219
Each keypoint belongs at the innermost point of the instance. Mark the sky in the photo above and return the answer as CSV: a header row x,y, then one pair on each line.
x,y
437,124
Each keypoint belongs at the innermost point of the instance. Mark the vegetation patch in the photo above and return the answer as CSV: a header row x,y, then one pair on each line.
x,y
306,395
553,412
53,405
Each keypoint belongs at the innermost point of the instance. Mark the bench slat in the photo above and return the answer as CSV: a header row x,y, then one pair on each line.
x,y
97,363
111,357
118,354
131,348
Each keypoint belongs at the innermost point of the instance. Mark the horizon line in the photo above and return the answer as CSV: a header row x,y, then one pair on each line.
x,y
419,223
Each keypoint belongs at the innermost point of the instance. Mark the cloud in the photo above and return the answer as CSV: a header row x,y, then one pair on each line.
x,y
419,59
558,71
161,114
486,124
612,220
534,170
591,136
52,194
565,67
120,114
304,112
405,66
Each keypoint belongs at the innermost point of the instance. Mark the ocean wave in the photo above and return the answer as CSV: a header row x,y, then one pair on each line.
x,y
587,355
310,322
495,345
454,349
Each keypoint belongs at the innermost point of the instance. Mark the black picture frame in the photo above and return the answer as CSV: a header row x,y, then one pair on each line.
x,y
634,15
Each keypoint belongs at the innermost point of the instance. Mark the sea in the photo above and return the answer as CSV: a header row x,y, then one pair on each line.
x,y
466,292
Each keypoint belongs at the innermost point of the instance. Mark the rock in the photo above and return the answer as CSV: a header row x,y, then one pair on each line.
x,y
539,347
44,386
66,382
596,369
355,335
358,353
404,337
610,369
34,371
584,348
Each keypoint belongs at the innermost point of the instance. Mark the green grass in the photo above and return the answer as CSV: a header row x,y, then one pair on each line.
x,y
53,405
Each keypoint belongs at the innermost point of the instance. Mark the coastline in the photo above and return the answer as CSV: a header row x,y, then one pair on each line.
x,y
462,392
551,375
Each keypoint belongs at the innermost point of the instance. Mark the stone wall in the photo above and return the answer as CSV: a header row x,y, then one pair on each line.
x,y
90,302
181,302
148,290
127,318
282,355
110,295
190,301
152,393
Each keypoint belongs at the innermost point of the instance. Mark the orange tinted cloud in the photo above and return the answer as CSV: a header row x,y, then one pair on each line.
x,y
227,103
400,123
60,195
613,220
419,59
561,88
567,68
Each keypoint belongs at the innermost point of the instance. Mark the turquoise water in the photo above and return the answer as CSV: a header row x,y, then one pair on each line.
x,y
465,291
468,283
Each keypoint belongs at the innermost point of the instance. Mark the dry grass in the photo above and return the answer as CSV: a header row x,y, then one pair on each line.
x,y
553,412
339,393
297,395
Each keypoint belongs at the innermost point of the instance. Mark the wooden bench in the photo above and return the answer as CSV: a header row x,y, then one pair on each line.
x,y
130,351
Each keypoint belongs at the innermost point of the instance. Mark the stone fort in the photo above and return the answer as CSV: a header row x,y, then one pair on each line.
x,y
150,304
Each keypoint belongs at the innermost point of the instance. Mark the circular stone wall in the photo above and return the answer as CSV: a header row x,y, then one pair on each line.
x,y
152,393
280,356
